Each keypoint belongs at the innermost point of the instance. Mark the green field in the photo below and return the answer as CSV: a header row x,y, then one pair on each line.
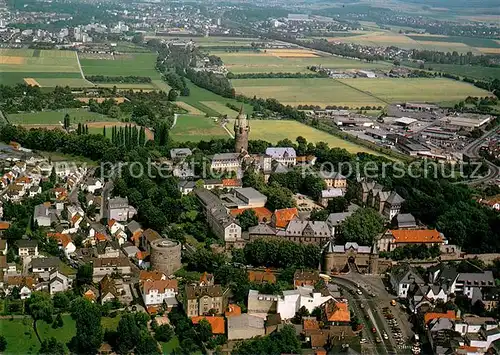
x,y
28,60
196,128
140,64
415,89
273,131
12,78
198,95
473,42
21,338
471,71
71,82
220,108
54,117
126,86
264,62
213,41
317,91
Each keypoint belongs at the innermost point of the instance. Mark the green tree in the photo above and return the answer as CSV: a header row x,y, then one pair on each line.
x,y
337,204
164,333
362,226
146,345
58,322
3,343
89,333
52,346
84,274
248,219
66,121
278,197
204,330
128,332
172,95
114,111
39,306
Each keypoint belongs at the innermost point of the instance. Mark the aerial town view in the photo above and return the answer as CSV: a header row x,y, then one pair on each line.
x,y
290,177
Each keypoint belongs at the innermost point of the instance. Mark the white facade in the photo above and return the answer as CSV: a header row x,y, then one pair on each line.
x,y
232,232
156,292
58,283
284,155
303,296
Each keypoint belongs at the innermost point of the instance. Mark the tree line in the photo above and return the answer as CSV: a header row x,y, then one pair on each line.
x,y
130,79
455,58
216,83
277,75
128,137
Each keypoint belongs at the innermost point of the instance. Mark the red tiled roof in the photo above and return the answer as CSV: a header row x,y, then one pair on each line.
x,y
111,222
261,276
217,323
4,225
100,237
160,285
337,311
263,214
233,310
417,236
431,315
151,275
63,239
285,215
141,255
310,324
231,182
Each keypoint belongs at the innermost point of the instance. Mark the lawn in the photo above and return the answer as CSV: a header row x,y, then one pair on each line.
x,y
140,64
196,128
126,86
12,78
273,131
199,95
281,62
54,117
472,71
167,348
21,338
317,91
415,89
71,82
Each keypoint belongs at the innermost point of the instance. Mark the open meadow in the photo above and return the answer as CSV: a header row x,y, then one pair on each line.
x,y
139,64
196,128
21,338
415,89
316,91
288,61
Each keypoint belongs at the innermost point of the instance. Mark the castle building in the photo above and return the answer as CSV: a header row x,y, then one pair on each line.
x,y
241,130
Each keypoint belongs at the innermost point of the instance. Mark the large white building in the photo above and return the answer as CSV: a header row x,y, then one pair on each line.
x,y
283,155
155,292
303,296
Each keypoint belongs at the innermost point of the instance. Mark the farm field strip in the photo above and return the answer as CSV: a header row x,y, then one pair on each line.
x,y
190,109
140,64
220,108
316,91
54,117
415,89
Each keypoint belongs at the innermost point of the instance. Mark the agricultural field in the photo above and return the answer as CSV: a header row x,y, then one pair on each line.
x,y
21,337
273,131
196,128
471,71
199,95
211,41
190,109
378,37
53,82
415,89
18,64
220,108
54,117
140,64
317,91
288,61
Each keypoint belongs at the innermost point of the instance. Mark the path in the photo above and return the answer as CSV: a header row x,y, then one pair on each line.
x,y
81,70
228,131
175,120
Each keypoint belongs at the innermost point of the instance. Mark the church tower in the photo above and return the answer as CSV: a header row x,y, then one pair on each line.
x,y
241,130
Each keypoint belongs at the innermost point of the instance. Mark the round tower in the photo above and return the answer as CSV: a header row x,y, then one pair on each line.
x,y
166,256
241,130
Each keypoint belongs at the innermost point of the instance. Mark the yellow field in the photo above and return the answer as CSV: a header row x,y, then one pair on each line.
x,y
190,109
12,60
292,53
31,81
489,50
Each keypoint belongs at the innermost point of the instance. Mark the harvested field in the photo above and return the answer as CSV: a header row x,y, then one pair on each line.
x,y
12,60
31,81
71,82
190,109
489,50
196,128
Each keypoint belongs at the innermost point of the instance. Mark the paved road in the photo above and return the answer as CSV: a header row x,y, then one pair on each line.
x,y
473,150
105,196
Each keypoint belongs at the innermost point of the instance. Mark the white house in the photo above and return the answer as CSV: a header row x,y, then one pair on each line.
x,y
225,162
27,247
92,185
114,226
120,210
155,292
402,277
284,155
58,282
303,296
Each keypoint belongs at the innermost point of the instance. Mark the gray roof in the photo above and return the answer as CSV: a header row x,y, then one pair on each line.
x,y
331,175
261,229
25,243
133,226
405,274
279,168
332,248
405,220
180,152
40,211
333,192
335,219
395,199
250,193
281,152
131,250
477,278
45,262
118,202
226,156
297,227
244,321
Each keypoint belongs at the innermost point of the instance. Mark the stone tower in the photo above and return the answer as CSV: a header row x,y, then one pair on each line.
x,y
241,130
